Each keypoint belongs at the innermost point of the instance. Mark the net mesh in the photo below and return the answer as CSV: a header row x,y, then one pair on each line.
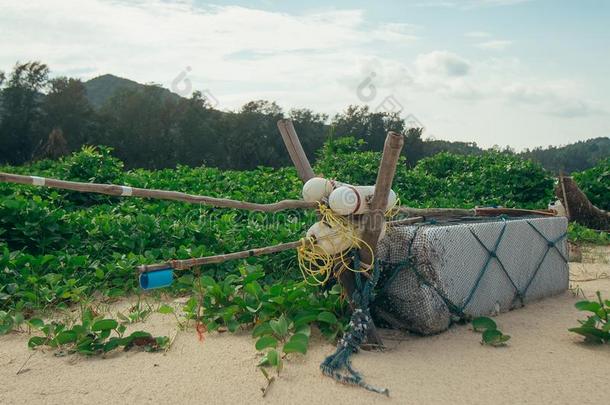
x,y
436,273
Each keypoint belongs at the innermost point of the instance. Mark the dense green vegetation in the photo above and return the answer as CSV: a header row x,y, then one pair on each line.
x,y
445,180
150,127
595,182
57,246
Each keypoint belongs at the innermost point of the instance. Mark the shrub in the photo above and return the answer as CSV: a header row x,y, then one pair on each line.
x,y
92,165
445,180
595,183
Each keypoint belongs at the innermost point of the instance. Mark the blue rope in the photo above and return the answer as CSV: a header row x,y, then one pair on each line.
x,y
351,341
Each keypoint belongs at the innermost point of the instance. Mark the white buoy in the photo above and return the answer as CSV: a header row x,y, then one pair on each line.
x,y
329,240
559,208
317,188
347,200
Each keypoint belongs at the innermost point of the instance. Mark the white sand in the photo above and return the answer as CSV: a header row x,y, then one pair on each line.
x,y
544,363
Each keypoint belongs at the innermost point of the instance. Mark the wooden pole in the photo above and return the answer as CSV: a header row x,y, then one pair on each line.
x,y
566,203
200,261
125,191
374,220
295,149
471,212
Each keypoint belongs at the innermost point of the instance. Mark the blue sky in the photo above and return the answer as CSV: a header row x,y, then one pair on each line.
x,y
507,72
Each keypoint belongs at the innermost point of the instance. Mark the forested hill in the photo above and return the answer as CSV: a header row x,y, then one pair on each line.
x,y
571,158
151,127
100,89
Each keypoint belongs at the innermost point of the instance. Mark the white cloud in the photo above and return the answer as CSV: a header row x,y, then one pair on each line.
x,y
442,63
470,4
560,99
315,60
157,40
496,44
477,34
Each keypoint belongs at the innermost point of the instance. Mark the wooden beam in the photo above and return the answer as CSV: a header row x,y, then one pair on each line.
x,y
295,149
126,191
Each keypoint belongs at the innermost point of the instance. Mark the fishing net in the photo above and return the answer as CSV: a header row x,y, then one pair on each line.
x,y
437,273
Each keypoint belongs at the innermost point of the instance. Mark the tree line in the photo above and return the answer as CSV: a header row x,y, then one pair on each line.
x,y
149,127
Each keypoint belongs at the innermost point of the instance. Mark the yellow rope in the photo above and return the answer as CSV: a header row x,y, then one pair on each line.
x,y
394,209
316,264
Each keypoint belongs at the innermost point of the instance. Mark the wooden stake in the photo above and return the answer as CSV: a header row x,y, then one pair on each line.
x,y
126,191
295,149
374,220
566,203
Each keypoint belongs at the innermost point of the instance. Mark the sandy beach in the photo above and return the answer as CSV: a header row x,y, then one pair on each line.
x,y
543,363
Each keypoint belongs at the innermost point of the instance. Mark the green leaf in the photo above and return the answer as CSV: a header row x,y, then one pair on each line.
x,y
592,334
279,326
590,306
36,323
104,324
483,323
207,281
327,317
66,337
165,309
36,341
303,330
494,337
298,343
305,319
112,344
232,325
272,358
265,342
262,329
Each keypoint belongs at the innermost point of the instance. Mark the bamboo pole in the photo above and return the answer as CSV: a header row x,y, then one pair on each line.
x,y
295,149
126,191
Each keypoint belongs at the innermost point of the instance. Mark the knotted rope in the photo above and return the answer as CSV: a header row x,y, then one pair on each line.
x,y
349,344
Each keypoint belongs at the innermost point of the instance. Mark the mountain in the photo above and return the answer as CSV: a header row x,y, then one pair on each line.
x,y
573,157
101,88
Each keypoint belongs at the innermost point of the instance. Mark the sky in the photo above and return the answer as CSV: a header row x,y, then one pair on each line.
x,y
497,72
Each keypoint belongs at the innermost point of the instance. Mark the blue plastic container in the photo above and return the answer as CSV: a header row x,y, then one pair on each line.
x,y
156,279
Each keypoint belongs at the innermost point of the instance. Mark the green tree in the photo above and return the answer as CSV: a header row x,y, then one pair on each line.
x,y
20,126
141,126
372,127
67,108
198,141
312,129
250,137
